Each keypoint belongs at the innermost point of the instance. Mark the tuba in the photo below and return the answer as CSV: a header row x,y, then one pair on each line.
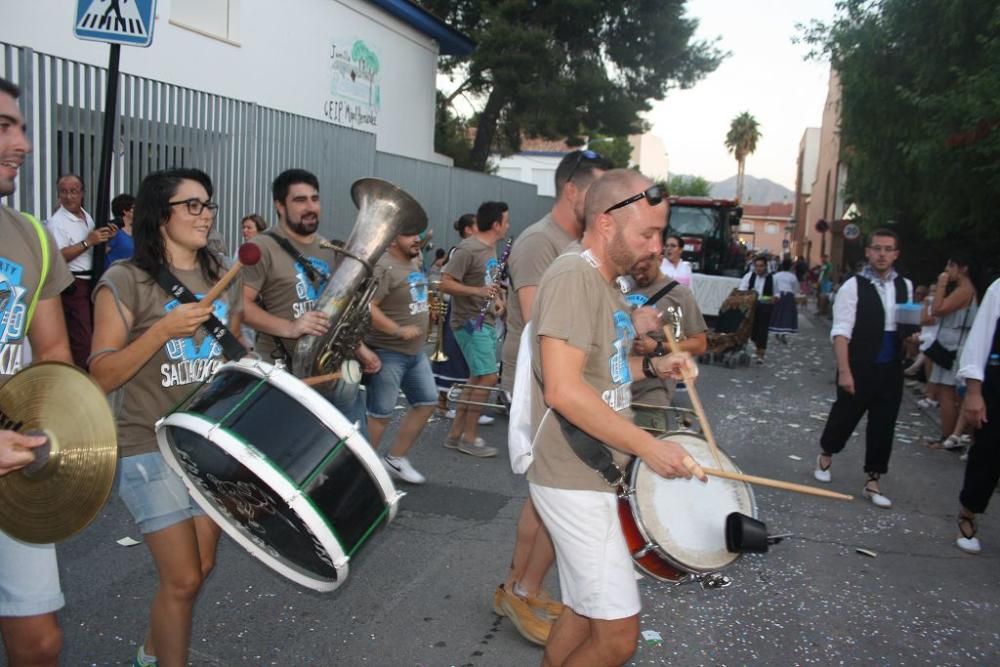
x,y
384,212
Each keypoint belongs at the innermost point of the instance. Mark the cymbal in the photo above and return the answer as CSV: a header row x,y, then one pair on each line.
x,y
48,502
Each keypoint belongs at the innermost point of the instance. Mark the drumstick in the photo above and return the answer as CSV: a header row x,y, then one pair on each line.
x,y
699,409
777,484
322,379
248,255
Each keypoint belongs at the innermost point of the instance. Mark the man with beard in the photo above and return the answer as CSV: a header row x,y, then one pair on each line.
x,y
281,289
680,312
520,597
30,312
400,320
581,372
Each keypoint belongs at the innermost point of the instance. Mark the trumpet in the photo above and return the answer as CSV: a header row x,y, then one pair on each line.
x,y
440,308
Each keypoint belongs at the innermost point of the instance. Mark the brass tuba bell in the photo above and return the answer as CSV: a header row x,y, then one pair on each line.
x,y
384,212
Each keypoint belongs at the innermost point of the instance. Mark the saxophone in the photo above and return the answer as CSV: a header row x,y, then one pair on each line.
x,y
384,212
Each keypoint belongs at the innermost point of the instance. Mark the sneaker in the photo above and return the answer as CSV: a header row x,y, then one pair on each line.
x,y
399,466
143,660
927,403
967,540
528,623
450,414
820,473
965,439
451,443
498,596
477,448
486,420
545,606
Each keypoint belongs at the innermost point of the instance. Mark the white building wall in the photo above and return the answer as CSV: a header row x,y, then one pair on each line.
x,y
650,155
539,169
809,146
276,54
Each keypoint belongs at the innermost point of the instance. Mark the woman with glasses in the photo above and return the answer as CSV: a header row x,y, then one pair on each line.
x,y
673,266
157,350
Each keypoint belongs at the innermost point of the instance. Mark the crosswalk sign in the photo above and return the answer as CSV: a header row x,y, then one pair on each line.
x,y
128,22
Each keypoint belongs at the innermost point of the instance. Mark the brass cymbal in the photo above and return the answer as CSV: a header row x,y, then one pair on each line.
x,y
62,496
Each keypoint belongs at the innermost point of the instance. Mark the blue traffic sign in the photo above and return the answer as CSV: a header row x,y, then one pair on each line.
x,y
128,22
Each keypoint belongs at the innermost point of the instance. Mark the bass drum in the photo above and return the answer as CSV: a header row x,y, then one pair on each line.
x,y
280,470
675,529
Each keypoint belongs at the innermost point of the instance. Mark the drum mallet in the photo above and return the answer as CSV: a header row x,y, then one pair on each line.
x,y
321,379
699,409
248,255
777,484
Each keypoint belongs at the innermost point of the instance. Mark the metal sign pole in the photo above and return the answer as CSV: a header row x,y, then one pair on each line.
x,y
103,206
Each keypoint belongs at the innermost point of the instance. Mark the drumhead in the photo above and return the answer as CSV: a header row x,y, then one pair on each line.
x,y
253,498
686,518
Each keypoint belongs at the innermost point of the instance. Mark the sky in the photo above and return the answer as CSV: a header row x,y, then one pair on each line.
x,y
765,75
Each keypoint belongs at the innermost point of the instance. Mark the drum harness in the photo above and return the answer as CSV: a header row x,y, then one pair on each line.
x,y
231,347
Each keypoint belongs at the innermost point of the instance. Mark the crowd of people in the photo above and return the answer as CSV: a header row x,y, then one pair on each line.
x,y
598,324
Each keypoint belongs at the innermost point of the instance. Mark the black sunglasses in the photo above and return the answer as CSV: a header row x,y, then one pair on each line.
x,y
653,194
593,156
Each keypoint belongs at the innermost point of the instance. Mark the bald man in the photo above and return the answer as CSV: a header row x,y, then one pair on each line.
x,y
581,355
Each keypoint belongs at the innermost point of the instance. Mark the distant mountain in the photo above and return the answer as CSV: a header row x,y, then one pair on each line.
x,y
755,190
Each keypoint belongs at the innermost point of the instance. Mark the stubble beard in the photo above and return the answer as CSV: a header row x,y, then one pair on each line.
x,y
619,254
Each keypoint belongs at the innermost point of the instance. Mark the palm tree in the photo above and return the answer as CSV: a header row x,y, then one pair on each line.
x,y
741,140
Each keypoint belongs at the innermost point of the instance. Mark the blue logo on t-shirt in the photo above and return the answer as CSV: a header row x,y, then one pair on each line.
x,y
491,270
636,300
304,289
186,349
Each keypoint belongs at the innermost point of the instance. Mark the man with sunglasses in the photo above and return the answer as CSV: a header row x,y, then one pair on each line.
x,y
867,343
520,596
75,235
580,394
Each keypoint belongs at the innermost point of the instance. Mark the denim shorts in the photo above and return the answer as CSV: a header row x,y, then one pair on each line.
x,y
29,578
153,493
479,347
410,373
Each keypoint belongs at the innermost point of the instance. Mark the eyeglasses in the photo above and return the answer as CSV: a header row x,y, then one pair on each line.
x,y
196,206
74,191
882,248
654,195
593,156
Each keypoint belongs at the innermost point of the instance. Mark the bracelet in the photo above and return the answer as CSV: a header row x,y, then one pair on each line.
x,y
647,367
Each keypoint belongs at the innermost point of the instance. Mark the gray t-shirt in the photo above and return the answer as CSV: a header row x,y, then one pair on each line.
x,y
473,263
656,391
576,304
284,286
20,273
532,253
178,367
402,295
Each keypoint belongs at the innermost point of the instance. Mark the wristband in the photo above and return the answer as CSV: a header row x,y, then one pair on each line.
x,y
658,350
647,367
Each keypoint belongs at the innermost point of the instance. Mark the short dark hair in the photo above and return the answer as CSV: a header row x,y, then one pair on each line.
x,y
9,88
153,209
466,220
122,203
83,186
258,221
579,166
290,177
882,231
786,264
490,213
439,253
673,235
760,258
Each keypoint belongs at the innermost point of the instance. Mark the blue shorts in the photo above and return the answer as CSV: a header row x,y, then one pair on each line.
x,y
153,493
479,347
29,578
410,373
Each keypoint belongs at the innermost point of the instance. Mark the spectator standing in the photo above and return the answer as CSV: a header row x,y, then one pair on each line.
x,y
121,246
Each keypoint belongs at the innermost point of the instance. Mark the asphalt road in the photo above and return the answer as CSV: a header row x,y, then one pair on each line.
x,y
420,593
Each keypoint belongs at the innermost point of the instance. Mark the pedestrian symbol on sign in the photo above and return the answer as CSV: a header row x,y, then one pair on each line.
x,y
127,22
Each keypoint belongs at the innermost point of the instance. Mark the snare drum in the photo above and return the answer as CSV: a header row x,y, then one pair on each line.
x,y
280,470
675,529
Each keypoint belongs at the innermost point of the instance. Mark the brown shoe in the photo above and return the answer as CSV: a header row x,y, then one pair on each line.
x,y
544,604
528,622
498,596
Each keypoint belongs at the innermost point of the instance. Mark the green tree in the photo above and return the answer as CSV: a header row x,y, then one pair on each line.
x,y
570,68
689,186
451,134
741,140
919,119
617,150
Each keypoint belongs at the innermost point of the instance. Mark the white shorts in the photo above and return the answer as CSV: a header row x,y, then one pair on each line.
x,y
29,578
596,575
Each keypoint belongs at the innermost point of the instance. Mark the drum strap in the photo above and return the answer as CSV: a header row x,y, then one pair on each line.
x,y
216,329
663,291
591,451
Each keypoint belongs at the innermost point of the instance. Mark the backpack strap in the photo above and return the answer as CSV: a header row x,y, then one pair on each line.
x,y
43,241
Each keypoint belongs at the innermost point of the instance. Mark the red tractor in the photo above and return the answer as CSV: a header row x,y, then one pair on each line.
x,y
707,225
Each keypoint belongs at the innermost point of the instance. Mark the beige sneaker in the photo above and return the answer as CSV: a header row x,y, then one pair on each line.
x,y
527,621
477,448
498,596
545,605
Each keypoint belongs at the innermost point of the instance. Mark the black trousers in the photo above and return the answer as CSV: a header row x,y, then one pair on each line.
x,y
761,322
878,391
982,470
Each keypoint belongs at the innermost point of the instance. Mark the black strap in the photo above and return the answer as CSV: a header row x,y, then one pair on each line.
x,y
315,275
216,329
591,451
279,351
665,290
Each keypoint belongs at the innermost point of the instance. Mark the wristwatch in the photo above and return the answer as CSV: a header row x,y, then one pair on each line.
x,y
658,350
647,367
84,244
